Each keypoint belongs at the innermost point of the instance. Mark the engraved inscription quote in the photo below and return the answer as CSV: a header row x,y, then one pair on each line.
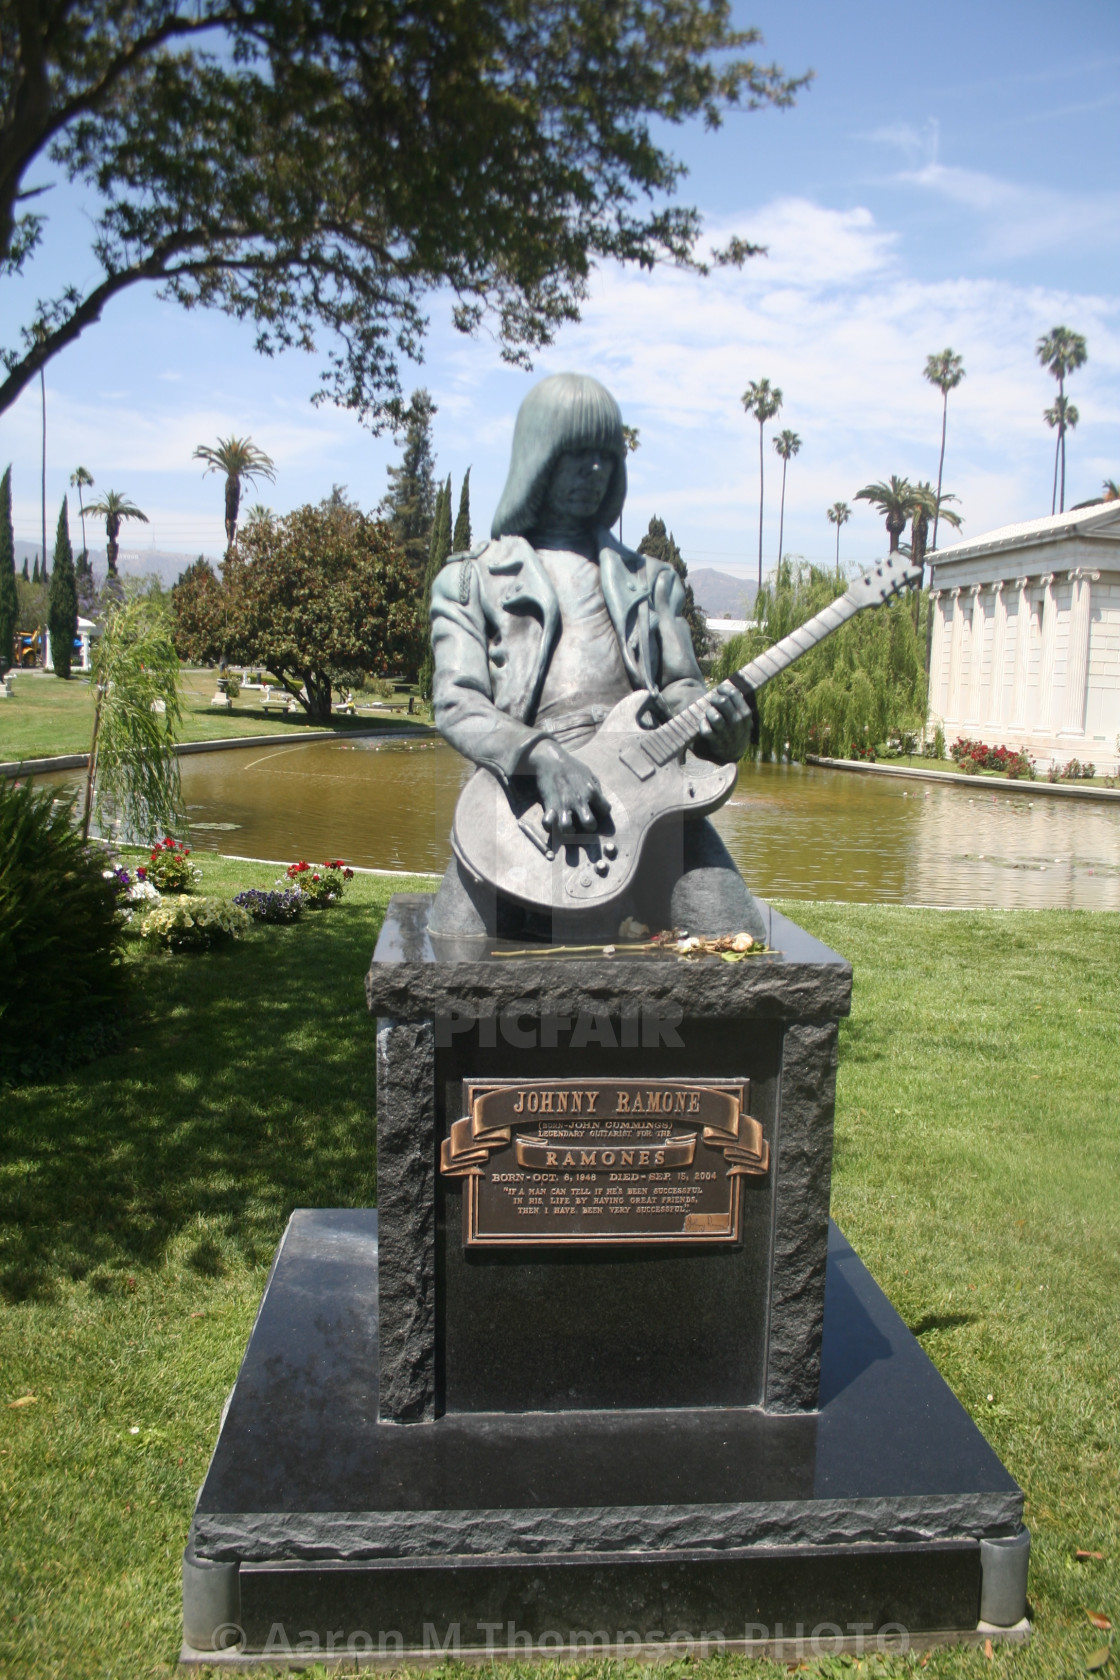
x,y
603,1160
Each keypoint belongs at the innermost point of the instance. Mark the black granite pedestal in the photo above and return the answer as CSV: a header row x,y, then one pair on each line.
x,y
438,1446
883,1519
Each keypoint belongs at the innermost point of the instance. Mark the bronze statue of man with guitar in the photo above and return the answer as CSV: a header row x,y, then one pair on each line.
x,y
564,669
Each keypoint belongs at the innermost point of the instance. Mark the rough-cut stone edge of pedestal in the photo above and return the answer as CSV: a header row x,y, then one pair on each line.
x,y
693,989
803,1178
356,1536
406,1197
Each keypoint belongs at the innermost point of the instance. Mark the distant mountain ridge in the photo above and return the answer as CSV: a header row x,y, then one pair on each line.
x,y
720,594
133,562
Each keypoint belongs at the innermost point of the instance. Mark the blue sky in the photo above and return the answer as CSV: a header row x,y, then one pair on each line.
x,y
948,179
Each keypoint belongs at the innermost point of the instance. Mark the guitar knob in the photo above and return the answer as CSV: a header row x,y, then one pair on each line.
x,y
601,866
610,849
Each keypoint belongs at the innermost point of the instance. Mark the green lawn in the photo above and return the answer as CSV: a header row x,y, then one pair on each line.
x,y
47,717
141,1198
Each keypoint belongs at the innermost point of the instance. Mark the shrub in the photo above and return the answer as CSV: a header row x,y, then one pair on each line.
x,y
320,883
60,938
283,906
189,923
168,869
1009,760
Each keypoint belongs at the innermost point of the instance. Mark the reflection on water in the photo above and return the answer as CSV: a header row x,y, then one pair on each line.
x,y
795,831
382,804
802,832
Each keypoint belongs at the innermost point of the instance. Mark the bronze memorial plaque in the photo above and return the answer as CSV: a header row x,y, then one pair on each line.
x,y
564,1161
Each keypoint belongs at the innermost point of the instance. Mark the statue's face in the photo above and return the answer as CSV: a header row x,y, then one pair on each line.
x,y
578,484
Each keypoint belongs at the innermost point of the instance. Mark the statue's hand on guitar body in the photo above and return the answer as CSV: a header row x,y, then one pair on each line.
x,y
633,780
568,791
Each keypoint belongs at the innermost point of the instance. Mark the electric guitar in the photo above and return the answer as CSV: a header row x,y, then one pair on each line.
x,y
647,774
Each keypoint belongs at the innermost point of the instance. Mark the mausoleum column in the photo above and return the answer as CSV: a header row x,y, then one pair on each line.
x,y
1077,659
1044,711
1022,655
999,642
936,653
976,653
953,702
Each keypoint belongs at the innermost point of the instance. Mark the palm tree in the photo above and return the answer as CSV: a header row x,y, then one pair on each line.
x,y
763,400
787,444
1061,416
81,480
239,459
838,514
894,499
945,370
113,507
1111,490
928,504
1062,352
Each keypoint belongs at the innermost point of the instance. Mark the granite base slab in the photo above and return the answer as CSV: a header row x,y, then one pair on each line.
x,y
635,1528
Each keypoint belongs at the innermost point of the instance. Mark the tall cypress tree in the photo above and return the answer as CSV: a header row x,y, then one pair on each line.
x,y
62,614
83,579
410,501
461,540
9,594
660,544
26,572
35,568
439,549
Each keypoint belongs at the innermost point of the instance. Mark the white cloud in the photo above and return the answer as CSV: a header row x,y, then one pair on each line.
x,y
832,315
916,143
833,318
1021,221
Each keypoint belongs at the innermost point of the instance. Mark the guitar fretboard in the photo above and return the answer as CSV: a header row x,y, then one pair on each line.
x,y
671,739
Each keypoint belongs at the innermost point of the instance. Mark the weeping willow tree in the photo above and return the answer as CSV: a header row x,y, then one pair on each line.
x,y
133,775
854,691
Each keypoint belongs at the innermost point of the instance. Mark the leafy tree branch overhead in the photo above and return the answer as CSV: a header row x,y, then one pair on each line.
x,y
319,167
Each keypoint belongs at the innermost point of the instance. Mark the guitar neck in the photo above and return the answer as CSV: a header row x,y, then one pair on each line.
x,y
871,590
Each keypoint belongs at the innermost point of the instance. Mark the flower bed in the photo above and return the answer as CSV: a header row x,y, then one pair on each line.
x,y
191,923
280,907
1074,771
974,755
168,869
320,883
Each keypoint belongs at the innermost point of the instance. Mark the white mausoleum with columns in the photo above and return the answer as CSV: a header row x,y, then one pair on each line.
x,y
1025,639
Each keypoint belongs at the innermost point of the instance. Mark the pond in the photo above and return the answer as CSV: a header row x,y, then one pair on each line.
x,y
795,831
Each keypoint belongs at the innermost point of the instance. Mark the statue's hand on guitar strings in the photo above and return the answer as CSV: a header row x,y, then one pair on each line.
x,y
728,727
569,791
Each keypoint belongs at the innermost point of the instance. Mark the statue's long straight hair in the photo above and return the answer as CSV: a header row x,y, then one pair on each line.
x,y
568,411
